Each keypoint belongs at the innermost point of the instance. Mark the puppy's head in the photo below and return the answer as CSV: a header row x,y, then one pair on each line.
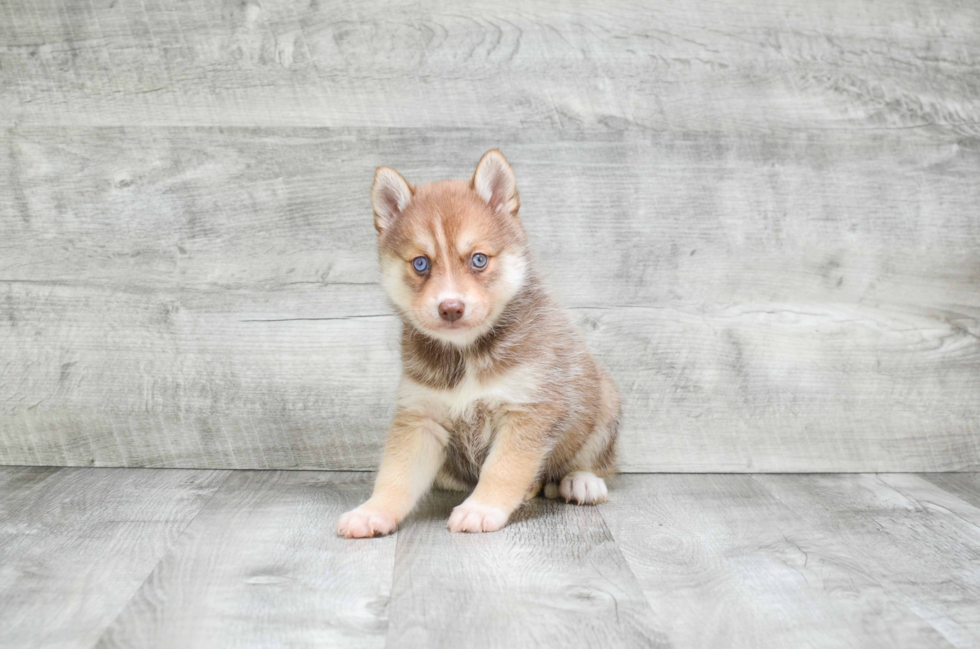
x,y
453,253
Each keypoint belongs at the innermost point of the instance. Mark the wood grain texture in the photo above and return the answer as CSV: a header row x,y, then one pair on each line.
x,y
261,566
209,298
552,578
250,559
666,65
764,217
726,564
921,543
75,544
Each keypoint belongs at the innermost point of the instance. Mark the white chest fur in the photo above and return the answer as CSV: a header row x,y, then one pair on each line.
x,y
517,386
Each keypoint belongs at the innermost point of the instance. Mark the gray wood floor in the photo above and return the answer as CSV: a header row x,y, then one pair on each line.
x,y
94,557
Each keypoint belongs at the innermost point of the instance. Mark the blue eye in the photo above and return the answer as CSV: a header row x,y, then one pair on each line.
x,y
421,264
479,261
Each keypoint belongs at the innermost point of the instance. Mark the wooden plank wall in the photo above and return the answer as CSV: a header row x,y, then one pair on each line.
x,y
765,216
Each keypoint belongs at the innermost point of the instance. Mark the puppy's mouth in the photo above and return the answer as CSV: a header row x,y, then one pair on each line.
x,y
458,325
456,330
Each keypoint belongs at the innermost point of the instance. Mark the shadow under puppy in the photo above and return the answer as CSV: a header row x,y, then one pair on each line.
x,y
498,390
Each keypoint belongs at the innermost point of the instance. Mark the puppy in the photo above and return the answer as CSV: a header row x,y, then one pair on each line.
x,y
498,391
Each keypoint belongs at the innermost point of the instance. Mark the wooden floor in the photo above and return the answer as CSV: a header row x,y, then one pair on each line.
x,y
186,558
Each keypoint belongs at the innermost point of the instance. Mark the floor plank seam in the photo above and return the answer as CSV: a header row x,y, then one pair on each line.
x,y
391,588
893,598
626,562
163,555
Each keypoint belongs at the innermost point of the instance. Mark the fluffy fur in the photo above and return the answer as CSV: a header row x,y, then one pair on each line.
x,y
505,399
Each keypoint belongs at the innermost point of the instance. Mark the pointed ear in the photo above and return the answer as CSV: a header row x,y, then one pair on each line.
x,y
495,183
390,195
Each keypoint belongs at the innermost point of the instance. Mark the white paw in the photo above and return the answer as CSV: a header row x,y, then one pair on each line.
x,y
364,522
474,517
584,488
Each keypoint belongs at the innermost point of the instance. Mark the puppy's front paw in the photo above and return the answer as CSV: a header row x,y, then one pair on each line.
x,y
584,487
474,517
364,522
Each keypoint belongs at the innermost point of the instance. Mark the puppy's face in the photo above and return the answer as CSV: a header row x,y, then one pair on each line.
x,y
453,253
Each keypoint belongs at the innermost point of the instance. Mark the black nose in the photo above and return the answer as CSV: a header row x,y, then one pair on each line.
x,y
451,310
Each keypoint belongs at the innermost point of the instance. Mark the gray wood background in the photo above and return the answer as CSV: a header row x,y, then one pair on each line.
x,y
765,216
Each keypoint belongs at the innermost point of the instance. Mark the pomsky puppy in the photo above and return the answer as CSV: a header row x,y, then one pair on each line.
x,y
498,391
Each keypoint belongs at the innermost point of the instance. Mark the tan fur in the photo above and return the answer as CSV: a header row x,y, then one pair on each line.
x,y
507,399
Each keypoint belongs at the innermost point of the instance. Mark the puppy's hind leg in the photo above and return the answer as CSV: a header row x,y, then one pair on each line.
x,y
583,488
584,483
